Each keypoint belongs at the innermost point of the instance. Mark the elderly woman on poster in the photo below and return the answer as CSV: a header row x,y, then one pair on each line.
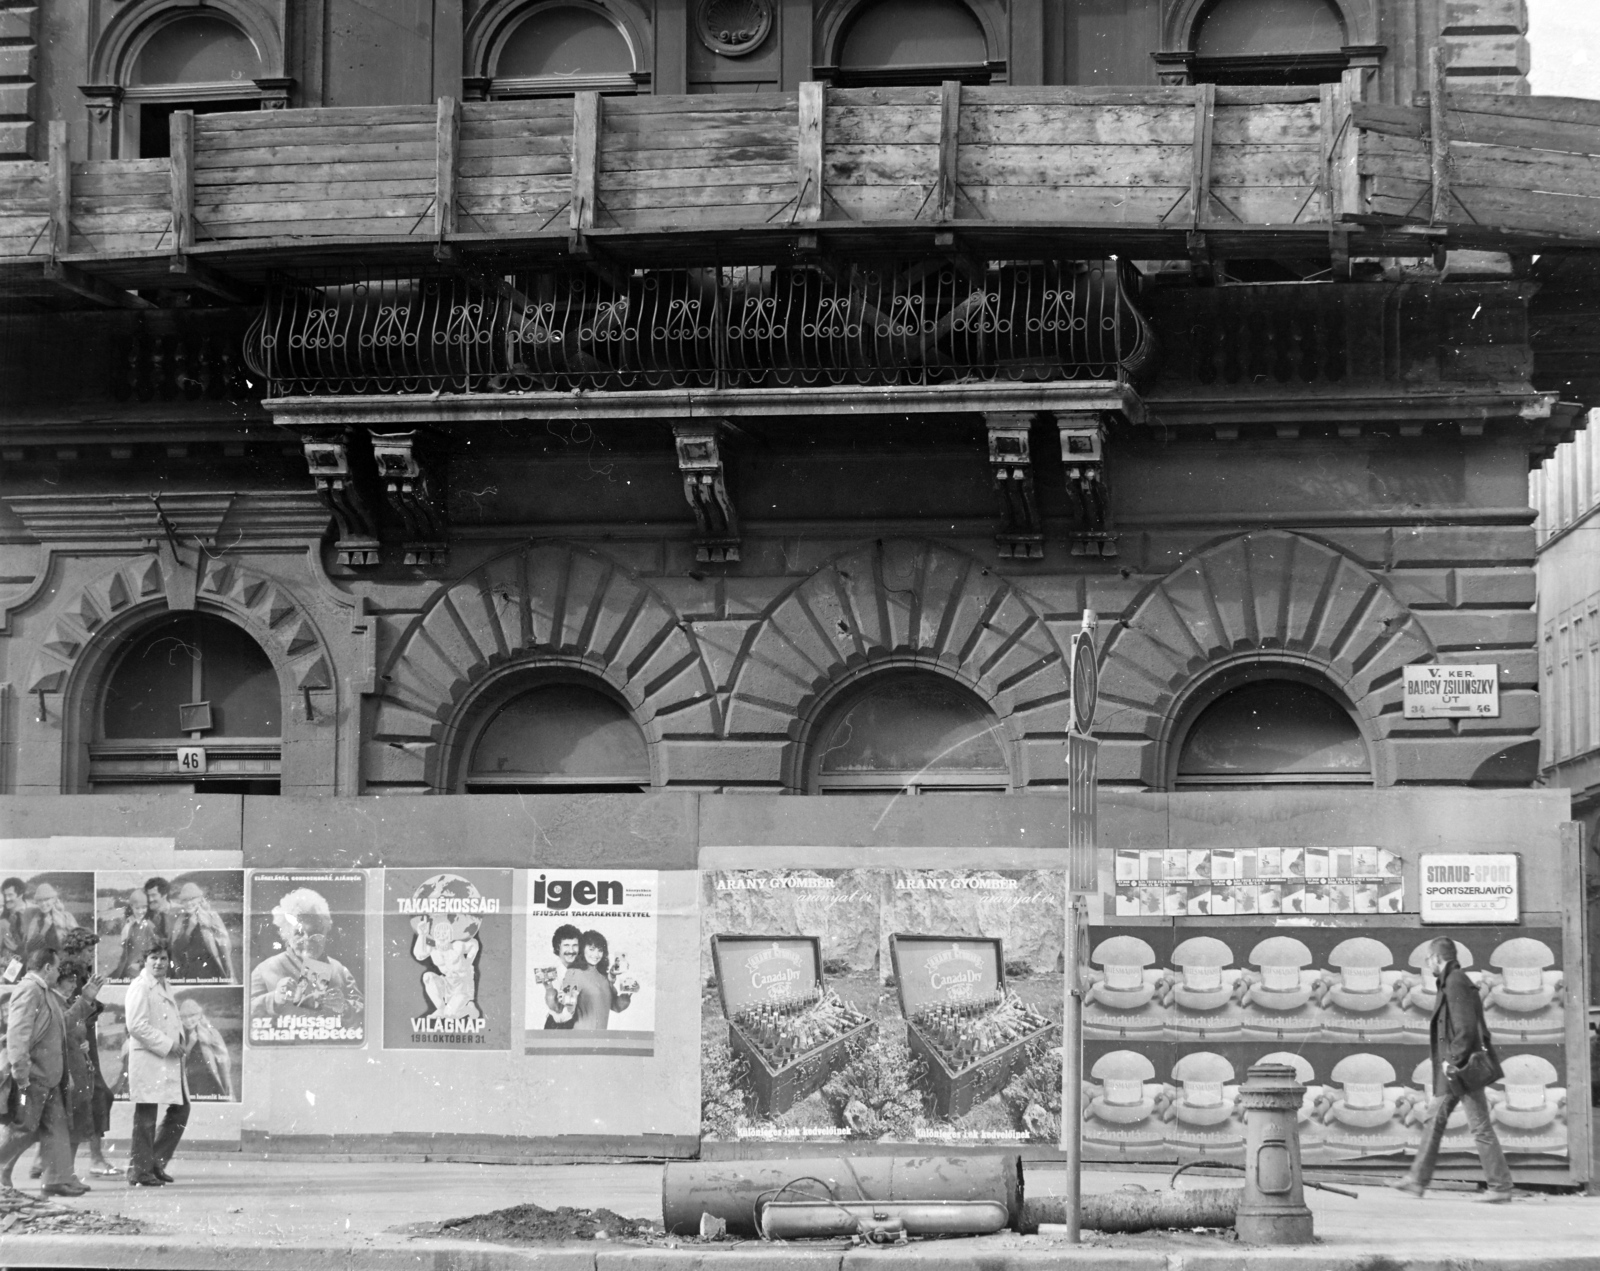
x,y
158,1046
303,979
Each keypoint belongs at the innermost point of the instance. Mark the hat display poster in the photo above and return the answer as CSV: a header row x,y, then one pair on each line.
x,y
44,909
1175,1014
447,958
1227,881
198,914
308,957
213,1014
591,962
915,1006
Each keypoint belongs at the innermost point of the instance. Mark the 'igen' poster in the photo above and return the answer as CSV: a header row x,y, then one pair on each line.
x,y
447,958
591,962
308,938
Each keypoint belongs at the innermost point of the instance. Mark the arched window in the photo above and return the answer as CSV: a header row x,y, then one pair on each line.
x,y
194,61
562,48
1273,732
891,42
912,732
190,680
1269,42
558,738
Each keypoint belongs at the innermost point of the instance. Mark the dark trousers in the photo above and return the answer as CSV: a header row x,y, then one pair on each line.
x,y
1493,1160
54,1145
152,1150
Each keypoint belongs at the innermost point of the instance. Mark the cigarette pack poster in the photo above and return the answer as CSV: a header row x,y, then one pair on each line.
x,y
792,995
591,962
47,909
212,1014
199,914
447,958
1175,1015
308,954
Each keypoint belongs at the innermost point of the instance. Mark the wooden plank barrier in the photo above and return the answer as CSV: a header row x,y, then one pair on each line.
x,y
334,172
1520,163
1196,159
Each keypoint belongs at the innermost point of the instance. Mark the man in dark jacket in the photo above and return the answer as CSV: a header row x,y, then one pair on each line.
x,y
1456,1030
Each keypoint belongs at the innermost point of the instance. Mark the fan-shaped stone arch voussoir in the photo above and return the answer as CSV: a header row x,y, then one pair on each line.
x,y
1267,592
263,607
570,605
904,601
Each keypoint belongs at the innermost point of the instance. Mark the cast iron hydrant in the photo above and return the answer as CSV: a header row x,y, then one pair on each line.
x,y
1273,1209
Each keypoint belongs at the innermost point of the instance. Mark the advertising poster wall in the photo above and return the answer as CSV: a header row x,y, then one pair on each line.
x,y
591,962
201,918
1176,1015
214,1066
447,958
882,1005
308,953
40,910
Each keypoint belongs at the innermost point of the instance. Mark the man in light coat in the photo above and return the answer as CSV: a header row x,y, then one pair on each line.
x,y
35,1056
158,1045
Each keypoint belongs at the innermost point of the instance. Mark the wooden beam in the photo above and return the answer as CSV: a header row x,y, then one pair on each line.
x,y
60,168
444,196
585,158
949,125
91,288
181,136
1438,137
1205,115
207,279
808,157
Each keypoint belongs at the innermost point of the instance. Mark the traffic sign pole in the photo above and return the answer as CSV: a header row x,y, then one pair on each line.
x,y
1082,838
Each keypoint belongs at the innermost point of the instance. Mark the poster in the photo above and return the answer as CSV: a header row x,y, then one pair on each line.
x,y
43,909
214,1066
591,962
1227,882
882,1005
308,954
1176,1013
199,913
447,958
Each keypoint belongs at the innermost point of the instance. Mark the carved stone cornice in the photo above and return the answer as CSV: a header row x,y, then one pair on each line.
x,y
209,516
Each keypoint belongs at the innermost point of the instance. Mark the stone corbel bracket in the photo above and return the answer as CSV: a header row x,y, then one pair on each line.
x,y
1083,451
328,456
705,486
1021,533
413,483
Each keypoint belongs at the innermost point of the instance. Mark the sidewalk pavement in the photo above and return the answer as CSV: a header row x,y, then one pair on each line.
x,y
255,1215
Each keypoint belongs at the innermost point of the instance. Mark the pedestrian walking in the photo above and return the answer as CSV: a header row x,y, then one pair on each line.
x,y
158,1046
1464,1066
33,1072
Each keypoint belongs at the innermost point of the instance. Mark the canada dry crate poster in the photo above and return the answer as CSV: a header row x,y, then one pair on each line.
x,y
447,958
918,1006
308,956
591,962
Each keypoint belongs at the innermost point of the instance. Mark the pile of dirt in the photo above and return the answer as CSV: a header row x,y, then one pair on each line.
x,y
533,1224
24,1215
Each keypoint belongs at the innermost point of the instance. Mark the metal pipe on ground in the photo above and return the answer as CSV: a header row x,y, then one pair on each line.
x,y
1130,1210
734,1191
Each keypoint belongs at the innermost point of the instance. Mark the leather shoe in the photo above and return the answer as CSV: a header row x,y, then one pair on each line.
x,y
1499,1198
65,1189
161,1173
144,1180
1409,1186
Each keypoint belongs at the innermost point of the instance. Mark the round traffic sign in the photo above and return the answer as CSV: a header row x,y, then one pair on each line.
x,y
1085,681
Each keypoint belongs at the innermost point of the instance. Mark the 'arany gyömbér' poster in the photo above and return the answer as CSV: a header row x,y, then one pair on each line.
x,y
447,958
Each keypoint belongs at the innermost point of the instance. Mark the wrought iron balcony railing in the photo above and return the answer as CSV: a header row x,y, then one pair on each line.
x,y
756,326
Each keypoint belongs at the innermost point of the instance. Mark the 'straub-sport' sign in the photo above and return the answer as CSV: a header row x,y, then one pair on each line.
x,y
1469,888
1453,692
